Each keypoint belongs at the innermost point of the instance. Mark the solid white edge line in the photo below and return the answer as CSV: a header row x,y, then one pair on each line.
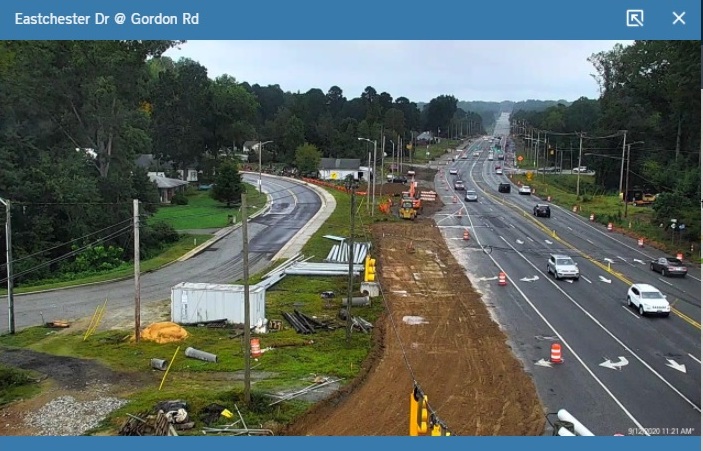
x,y
566,344
694,358
584,278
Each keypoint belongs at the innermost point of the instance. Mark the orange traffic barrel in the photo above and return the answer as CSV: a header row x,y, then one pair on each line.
x,y
679,256
501,279
466,235
555,355
640,242
255,348
593,217
610,227
454,199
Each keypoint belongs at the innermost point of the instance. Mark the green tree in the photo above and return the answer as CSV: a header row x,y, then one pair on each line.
x,y
228,187
307,158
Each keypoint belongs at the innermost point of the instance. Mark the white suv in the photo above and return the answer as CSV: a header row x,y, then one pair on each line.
x,y
647,299
563,267
524,189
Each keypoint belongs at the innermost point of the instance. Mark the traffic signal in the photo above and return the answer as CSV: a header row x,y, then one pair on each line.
x,y
419,413
370,270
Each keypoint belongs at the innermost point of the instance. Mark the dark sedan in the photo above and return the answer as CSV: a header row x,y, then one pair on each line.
x,y
669,266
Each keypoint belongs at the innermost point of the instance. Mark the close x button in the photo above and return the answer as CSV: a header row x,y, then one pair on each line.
x,y
678,18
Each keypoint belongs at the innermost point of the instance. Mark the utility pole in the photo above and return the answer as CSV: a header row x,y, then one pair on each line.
x,y
261,149
578,169
627,178
137,282
247,320
350,288
383,168
368,187
622,164
373,188
10,282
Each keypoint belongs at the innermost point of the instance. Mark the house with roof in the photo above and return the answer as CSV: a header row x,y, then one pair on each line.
x,y
340,168
151,163
168,187
424,138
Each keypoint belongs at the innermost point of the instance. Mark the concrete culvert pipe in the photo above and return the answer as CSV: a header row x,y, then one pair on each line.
x,y
357,302
200,355
159,364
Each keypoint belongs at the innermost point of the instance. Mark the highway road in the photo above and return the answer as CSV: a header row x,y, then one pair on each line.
x,y
644,389
292,206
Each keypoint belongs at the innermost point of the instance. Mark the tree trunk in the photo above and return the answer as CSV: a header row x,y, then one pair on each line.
x,y
678,139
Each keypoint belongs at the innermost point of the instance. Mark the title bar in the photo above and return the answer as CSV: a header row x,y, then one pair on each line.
x,y
362,20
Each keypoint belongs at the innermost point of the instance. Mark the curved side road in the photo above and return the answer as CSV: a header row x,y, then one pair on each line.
x,y
293,208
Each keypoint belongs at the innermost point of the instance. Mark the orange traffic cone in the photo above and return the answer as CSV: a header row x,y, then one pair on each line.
x,y
679,256
501,279
593,217
640,242
555,356
610,227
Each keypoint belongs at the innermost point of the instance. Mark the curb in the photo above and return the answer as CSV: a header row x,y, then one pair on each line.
x,y
199,248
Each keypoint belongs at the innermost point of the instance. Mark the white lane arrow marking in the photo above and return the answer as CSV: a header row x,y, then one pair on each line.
x,y
675,365
519,242
609,260
615,365
569,280
546,337
544,363
637,260
622,258
603,279
530,279
485,279
548,242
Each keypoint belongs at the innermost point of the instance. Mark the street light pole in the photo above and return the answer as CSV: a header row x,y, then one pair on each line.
x,y
578,168
627,174
8,244
622,164
373,188
261,149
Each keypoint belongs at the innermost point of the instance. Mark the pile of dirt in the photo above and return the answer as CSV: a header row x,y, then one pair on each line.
x,y
456,352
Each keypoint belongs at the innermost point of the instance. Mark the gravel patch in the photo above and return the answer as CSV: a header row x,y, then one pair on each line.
x,y
66,416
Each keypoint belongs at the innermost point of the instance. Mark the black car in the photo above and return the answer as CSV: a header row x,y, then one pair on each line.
x,y
504,188
542,210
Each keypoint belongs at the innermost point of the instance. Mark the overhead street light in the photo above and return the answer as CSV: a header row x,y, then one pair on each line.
x,y
261,148
370,188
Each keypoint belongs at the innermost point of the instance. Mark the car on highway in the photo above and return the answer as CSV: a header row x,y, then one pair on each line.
x,y
459,185
542,210
504,187
563,267
476,154
499,171
669,266
471,196
453,171
464,157
647,300
524,189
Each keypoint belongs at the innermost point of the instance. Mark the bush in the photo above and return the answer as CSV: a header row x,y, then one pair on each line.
x,y
179,199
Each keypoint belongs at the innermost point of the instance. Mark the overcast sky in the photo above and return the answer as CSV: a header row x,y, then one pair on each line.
x,y
419,70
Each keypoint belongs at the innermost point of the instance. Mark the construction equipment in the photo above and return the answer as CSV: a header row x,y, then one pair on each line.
x,y
407,210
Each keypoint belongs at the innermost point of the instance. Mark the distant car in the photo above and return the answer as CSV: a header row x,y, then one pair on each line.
x,y
669,266
647,300
464,157
581,169
504,188
563,267
476,154
453,171
524,189
471,196
542,210
459,185
497,167
499,171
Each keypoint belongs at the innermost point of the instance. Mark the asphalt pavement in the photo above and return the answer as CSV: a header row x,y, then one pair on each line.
x,y
292,206
622,373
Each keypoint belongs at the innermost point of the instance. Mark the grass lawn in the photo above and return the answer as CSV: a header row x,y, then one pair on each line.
x,y
435,150
16,384
605,208
203,212
171,253
291,363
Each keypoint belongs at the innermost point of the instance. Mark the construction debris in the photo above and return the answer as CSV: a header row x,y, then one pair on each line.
x,y
57,324
200,355
164,332
170,415
215,323
304,324
318,383
357,321
340,252
357,301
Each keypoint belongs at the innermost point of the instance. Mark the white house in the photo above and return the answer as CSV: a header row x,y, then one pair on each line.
x,y
340,168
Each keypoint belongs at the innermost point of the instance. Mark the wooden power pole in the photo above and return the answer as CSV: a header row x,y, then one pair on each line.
x,y
247,320
350,288
137,288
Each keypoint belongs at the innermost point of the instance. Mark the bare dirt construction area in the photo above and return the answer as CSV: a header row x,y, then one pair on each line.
x,y
458,355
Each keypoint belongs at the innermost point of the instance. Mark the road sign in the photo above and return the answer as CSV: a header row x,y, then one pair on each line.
x,y
520,158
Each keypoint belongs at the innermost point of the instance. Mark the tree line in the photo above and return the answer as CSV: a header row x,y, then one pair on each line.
x,y
650,91
74,115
